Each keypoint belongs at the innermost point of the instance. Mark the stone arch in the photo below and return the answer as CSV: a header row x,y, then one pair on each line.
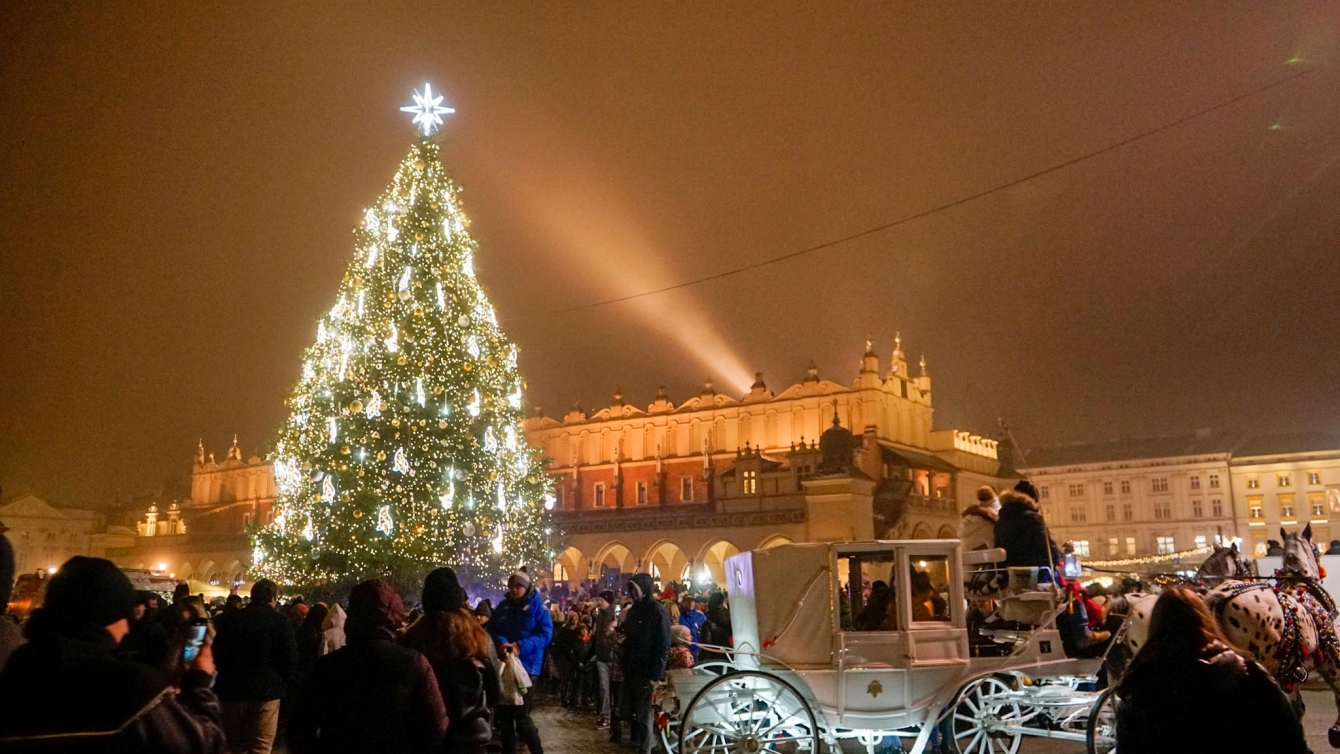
x,y
923,531
713,558
775,540
947,532
233,571
206,570
666,561
572,564
613,566
185,572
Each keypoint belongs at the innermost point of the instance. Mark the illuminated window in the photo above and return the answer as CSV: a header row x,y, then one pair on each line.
x,y
1200,540
1314,477
1107,488
1318,505
1078,515
1125,487
1076,490
1253,482
1256,510
560,572
686,489
1127,512
1159,484
1217,506
599,491
1082,547
749,483
1113,546
1111,511
641,493
1130,545
1195,482
1284,480
1286,510
1214,481
1197,510
1166,545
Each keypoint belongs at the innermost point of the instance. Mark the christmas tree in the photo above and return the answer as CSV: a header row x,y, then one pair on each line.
x,y
404,448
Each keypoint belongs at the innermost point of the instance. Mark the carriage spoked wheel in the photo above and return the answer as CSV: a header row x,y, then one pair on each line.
x,y
748,713
1101,735
983,717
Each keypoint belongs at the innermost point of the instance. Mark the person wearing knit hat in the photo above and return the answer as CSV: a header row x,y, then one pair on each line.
x,y
519,577
68,681
371,694
442,591
521,626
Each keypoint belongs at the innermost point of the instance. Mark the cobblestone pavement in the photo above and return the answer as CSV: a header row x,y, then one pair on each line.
x,y
564,730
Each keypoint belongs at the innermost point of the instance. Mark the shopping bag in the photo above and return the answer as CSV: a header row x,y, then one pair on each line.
x,y
515,681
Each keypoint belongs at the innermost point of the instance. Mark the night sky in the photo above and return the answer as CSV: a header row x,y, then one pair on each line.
x,y
179,182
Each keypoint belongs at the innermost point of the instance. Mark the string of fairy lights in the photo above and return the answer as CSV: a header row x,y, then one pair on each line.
x,y
404,448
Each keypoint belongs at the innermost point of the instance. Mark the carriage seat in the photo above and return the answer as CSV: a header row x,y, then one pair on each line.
x,y
982,557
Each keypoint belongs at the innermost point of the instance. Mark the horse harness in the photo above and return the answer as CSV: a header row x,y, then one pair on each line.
x,y
1310,596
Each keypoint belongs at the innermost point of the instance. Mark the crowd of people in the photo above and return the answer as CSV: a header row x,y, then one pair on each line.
x,y
101,667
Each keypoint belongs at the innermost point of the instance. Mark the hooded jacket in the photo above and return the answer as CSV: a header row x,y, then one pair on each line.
x,y
977,528
646,630
1169,707
601,634
526,624
256,653
1021,530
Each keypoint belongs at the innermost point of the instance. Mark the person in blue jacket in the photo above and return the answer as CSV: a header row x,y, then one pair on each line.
x,y
521,626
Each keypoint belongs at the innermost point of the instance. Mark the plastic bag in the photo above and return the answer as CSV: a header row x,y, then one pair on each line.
x,y
515,681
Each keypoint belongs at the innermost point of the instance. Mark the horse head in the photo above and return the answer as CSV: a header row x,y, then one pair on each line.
x,y
1301,557
1223,564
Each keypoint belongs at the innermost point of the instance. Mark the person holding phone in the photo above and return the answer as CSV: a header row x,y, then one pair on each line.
x,y
68,689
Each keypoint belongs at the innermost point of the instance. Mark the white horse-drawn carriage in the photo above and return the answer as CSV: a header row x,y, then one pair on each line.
x,y
815,664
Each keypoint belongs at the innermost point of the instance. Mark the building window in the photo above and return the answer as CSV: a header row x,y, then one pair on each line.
x,y
1113,546
1107,488
1079,515
1318,505
599,490
1314,477
749,483
1284,480
1217,507
1197,510
1253,482
686,489
1125,486
558,496
1076,490
1200,541
1214,481
1256,511
1195,482
1166,545
1111,511
1286,510
1127,512
1159,484
641,493
1082,547
1130,545
1044,492
1162,511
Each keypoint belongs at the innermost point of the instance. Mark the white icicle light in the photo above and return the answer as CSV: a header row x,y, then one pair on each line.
x,y
474,406
447,497
441,298
327,490
374,407
334,428
287,476
308,370
308,533
514,400
418,392
391,232
446,228
320,332
371,221
281,523
372,255
502,497
490,442
360,302
393,340
498,542
470,502
468,266
511,438
405,278
472,346
549,501
384,523
400,463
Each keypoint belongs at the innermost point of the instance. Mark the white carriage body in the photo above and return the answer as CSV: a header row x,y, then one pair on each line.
x,y
787,617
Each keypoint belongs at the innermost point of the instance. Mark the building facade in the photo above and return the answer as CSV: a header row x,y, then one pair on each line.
x,y
1158,496
44,536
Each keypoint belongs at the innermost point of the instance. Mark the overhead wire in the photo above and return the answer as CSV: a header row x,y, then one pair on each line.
x,y
933,210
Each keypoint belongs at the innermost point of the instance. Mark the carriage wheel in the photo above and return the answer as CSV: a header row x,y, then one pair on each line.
x,y
748,713
1101,735
985,708
670,736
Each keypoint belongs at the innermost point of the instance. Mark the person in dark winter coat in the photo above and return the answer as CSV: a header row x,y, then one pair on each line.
x,y
1022,532
604,654
1185,684
10,636
716,629
371,695
146,643
256,654
308,640
459,650
69,686
521,625
646,630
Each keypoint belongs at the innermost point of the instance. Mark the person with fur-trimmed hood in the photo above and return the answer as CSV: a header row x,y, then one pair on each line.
x,y
977,525
1022,531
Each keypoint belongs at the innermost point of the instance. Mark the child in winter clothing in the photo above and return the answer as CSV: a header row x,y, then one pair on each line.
x,y
680,656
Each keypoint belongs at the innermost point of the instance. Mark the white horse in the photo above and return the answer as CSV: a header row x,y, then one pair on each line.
x,y
1289,627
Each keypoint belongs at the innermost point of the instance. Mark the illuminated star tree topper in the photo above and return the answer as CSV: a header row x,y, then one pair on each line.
x,y
428,110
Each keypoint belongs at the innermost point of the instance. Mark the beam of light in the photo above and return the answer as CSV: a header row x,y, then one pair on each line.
x,y
617,257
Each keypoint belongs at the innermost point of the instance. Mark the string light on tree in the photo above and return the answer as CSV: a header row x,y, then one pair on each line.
x,y
373,459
